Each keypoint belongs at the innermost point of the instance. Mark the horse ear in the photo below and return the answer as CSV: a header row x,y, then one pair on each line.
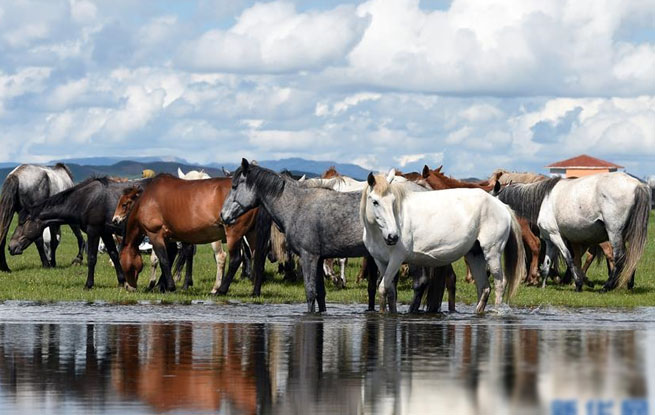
x,y
496,187
244,165
391,175
371,179
180,173
303,178
438,169
426,171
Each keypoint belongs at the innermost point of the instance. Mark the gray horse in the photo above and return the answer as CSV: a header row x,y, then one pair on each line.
x,y
25,186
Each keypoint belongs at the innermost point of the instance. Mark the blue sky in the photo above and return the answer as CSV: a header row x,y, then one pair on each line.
x,y
471,84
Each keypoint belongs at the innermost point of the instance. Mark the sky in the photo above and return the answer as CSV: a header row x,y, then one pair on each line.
x,y
471,84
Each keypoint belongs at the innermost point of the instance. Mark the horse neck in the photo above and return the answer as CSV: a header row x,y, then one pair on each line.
x,y
66,211
280,207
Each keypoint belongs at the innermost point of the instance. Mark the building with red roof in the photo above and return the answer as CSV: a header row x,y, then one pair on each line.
x,y
582,165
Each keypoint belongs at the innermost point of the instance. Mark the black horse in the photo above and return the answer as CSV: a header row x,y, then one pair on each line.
x,y
89,205
27,185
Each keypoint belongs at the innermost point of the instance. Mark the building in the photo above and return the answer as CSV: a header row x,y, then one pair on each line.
x,y
582,165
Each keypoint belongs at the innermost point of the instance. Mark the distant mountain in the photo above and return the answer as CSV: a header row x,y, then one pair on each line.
x,y
297,164
108,161
132,169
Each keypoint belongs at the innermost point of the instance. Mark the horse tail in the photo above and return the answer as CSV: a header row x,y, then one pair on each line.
x,y
515,268
278,243
635,232
8,202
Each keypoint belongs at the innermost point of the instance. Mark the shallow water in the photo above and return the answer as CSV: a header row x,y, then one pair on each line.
x,y
241,359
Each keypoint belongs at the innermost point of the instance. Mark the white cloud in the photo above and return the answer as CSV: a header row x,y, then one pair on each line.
x,y
273,37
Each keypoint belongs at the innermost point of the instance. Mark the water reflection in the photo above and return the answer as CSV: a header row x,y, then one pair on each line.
x,y
314,364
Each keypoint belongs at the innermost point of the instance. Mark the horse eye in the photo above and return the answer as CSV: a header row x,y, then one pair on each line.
x,y
375,203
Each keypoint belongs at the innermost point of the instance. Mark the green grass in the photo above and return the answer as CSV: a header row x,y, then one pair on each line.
x,y
29,281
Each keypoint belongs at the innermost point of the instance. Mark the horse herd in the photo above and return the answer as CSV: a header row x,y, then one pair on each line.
x,y
426,220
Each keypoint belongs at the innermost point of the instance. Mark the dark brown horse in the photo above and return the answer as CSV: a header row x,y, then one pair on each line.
x,y
439,181
171,210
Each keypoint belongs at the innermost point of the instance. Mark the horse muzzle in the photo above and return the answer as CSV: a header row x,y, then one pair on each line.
x,y
391,239
15,249
116,220
227,219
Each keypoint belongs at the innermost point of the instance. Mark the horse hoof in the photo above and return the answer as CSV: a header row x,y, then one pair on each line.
x,y
578,288
129,288
185,287
88,287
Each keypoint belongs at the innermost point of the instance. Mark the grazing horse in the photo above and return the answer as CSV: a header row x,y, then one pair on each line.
x,y
89,205
171,210
437,228
587,211
25,186
318,223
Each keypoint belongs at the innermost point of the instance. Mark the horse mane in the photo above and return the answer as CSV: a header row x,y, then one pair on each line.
x,y
267,181
61,197
65,168
526,198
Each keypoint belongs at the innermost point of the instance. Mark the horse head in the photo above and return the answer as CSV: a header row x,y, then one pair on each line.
x,y
126,203
380,207
242,196
30,228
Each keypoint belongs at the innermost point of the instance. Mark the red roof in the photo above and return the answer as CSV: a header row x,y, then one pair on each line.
x,y
584,162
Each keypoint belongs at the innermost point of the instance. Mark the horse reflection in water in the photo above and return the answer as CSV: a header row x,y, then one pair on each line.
x,y
167,376
317,364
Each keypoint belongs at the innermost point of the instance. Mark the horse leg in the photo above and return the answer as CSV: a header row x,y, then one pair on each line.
x,y
548,261
108,239
54,243
310,263
372,276
557,240
591,256
343,263
219,256
419,284
534,246
179,263
578,250
166,282
451,280
80,245
154,261
387,287
320,288
235,261
436,288
328,271
469,274
45,261
479,270
188,252
494,266
246,256
618,249
92,256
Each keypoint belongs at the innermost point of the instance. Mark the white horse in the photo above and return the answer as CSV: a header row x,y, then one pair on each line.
x,y
437,228
587,211
219,254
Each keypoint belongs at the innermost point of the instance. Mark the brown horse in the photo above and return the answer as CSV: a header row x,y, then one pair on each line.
x,y
440,181
172,209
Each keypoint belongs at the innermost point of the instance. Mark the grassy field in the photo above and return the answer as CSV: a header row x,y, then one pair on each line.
x,y
29,281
